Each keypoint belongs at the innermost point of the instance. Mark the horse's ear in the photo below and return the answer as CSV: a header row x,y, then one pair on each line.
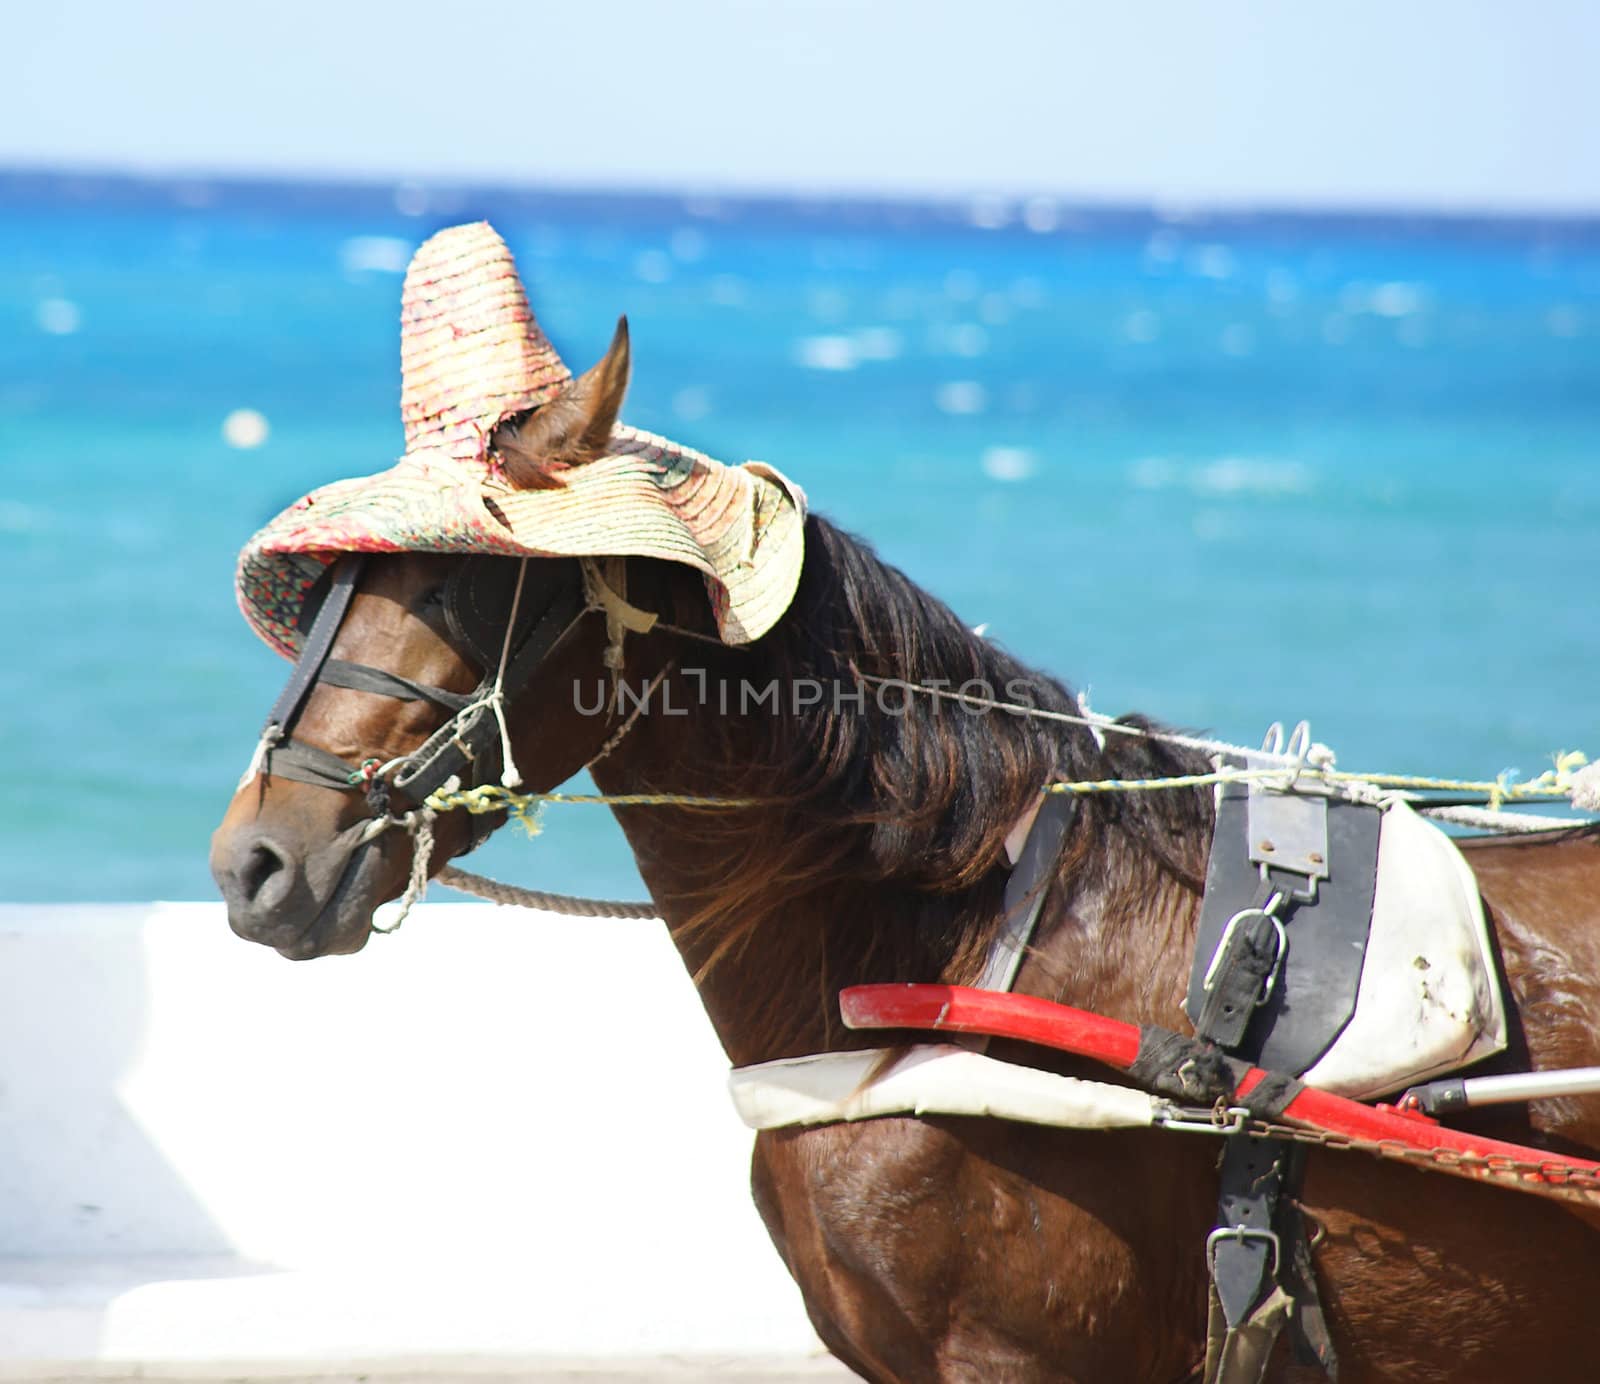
x,y
572,428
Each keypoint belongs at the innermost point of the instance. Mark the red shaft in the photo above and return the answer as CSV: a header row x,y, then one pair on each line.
x,y
956,1009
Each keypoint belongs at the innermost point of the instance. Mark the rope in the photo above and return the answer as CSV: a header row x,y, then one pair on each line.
x,y
492,798
497,697
1511,822
1573,778
420,825
568,905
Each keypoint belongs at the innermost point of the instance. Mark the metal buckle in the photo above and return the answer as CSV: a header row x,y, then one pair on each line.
x,y
1268,911
1241,1233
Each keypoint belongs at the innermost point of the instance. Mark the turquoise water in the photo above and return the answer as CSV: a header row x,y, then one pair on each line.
x,y
1221,470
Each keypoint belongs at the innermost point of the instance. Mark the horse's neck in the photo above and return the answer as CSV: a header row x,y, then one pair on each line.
x,y
1116,945
1114,938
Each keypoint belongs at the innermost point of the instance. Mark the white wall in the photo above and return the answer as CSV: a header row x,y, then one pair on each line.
x,y
494,1132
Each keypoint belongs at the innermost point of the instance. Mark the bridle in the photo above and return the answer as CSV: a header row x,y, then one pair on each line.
x,y
493,617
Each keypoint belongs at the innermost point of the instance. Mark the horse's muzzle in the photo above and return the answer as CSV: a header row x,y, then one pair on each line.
x,y
302,903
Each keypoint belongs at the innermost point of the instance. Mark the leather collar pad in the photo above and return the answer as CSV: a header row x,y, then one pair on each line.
x,y
1315,994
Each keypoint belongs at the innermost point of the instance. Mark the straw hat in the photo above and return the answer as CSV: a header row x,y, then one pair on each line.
x,y
472,355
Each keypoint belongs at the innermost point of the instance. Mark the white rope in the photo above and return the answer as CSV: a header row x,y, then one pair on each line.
x,y
420,825
1486,820
1316,755
509,777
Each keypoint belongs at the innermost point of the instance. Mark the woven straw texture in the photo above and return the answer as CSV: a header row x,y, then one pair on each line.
x,y
741,526
472,355
471,352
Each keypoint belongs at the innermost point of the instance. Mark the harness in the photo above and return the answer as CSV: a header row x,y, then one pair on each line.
x,y
1269,864
505,627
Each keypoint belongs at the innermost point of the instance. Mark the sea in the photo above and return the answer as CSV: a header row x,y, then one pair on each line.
x,y
1222,468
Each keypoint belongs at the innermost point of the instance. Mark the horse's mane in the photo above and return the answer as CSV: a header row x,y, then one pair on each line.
x,y
896,811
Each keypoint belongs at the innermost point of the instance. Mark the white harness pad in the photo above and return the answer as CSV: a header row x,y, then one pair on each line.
x,y
931,1079
1428,1001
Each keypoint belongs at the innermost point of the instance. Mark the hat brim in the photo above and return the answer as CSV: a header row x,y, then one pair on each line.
x,y
741,527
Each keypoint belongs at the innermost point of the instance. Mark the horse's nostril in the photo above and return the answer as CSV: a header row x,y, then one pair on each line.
x,y
261,864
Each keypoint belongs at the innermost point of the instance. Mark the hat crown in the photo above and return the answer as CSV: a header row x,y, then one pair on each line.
x,y
471,351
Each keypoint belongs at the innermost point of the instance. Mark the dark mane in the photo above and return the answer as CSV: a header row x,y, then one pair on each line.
x,y
895,811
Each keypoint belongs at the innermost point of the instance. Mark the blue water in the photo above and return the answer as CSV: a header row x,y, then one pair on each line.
x,y
1223,470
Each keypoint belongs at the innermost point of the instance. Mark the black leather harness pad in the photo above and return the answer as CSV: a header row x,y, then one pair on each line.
x,y
1315,994
478,599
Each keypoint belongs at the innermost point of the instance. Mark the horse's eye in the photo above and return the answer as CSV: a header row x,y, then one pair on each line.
x,y
432,598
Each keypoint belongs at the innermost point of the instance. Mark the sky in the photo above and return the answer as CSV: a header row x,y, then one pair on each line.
x,y
1429,104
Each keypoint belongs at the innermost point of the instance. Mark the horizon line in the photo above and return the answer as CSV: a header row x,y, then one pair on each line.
x,y
988,209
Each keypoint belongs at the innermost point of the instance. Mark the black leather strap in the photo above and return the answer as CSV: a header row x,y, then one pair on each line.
x,y
294,759
360,677
1246,956
1245,1248
314,652
458,748
1026,888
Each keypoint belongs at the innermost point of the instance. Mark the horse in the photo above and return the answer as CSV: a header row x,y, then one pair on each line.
x,y
869,846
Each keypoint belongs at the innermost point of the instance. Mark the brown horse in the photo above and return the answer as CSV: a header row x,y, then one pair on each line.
x,y
950,1249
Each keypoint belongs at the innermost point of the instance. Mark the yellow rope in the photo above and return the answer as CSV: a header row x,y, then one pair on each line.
x,y
1554,783
493,798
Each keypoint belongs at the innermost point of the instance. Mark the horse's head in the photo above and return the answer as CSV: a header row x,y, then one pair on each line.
x,y
386,715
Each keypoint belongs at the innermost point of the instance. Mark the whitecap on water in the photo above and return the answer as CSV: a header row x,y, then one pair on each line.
x,y
1563,320
994,309
1212,261
58,316
1141,327
961,397
988,213
1028,292
1041,215
1224,476
1237,339
688,244
729,291
966,339
1392,299
1162,247
16,517
245,428
411,199
961,285
1008,463
1396,299
826,353
653,266
375,254
1153,473
1250,476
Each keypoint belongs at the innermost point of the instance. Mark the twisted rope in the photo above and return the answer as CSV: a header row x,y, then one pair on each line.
x,y
1571,779
569,905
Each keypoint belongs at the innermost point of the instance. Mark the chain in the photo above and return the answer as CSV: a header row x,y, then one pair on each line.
x,y
1548,1177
